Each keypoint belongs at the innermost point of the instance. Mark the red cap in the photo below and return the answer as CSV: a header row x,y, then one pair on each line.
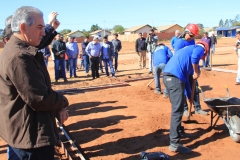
x,y
193,28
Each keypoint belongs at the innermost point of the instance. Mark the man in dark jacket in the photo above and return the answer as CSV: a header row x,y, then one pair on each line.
x,y
117,46
59,49
107,55
141,48
213,43
26,94
85,55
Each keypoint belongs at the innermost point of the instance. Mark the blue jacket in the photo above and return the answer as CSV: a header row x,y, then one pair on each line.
x,y
180,65
162,54
84,46
173,41
181,43
110,50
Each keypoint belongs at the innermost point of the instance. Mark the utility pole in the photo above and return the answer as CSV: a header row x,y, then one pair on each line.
x,y
104,28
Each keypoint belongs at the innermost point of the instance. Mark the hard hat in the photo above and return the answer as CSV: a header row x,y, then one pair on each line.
x,y
206,46
193,28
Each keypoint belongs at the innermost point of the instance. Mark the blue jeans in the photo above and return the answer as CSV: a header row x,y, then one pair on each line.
x,y
116,60
11,154
213,49
206,61
86,63
110,63
73,66
157,71
59,63
46,62
42,153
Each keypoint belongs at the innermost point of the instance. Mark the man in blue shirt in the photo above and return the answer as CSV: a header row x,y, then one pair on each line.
x,y
174,39
107,55
206,39
72,53
46,54
93,51
161,56
183,64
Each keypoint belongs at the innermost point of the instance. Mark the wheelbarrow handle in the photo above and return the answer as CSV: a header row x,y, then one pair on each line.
x,y
202,93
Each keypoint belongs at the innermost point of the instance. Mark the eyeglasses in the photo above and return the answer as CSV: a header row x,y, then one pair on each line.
x,y
191,35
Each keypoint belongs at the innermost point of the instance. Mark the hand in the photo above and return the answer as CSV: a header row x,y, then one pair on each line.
x,y
112,57
57,54
90,56
61,55
52,20
45,57
138,53
190,101
62,115
195,75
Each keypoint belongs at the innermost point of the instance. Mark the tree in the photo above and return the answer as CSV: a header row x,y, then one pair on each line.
x,y
85,33
65,31
226,24
1,34
200,26
220,23
118,29
231,22
237,20
95,27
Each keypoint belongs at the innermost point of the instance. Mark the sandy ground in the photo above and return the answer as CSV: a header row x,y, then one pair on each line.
x,y
119,123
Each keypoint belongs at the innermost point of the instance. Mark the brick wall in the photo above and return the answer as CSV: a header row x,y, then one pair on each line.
x,y
1,44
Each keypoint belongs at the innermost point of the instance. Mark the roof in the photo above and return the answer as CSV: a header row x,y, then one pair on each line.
x,y
226,28
95,32
207,29
166,27
135,28
73,32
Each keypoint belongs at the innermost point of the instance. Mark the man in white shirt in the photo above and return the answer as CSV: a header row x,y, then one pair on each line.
x,y
237,49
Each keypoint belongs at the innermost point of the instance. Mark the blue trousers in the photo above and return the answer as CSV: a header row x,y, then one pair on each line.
x,y
11,154
86,63
42,153
59,63
206,61
157,71
73,66
110,63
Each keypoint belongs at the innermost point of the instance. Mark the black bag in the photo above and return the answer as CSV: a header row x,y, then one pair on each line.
x,y
154,156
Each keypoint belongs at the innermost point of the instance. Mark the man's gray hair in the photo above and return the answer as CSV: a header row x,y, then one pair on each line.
x,y
8,21
25,15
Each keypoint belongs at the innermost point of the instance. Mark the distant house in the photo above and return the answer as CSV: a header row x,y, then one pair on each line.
x,y
76,33
100,33
227,31
169,28
138,29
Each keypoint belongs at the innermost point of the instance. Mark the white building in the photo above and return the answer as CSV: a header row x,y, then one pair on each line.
x,y
138,29
100,33
75,34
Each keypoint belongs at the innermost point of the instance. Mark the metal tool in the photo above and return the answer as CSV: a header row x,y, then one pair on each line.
x,y
192,96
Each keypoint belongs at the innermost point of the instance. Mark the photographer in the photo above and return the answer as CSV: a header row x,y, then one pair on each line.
x,y
237,49
151,41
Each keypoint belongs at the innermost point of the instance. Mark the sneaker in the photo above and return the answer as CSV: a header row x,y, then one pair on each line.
x,y
56,81
202,112
116,70
150,72
102,71
158,92
165,95
185,113
179,148
114,77
76,77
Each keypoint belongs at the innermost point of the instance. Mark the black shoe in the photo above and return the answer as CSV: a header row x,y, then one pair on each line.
x,y
179,148
102,71
76,77
116,70
150,72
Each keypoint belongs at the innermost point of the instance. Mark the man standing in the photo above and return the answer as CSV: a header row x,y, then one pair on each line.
x,y
161,56
117,46
141,47
46,54
174,39
151,41
176,79
93,51
72,53
237,49
59,49
85,55
107,55
213,43
26,94
208,41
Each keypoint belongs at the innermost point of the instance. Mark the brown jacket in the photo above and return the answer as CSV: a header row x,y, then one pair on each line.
x,y
27,102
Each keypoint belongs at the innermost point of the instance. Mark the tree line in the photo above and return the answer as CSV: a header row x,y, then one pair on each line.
x,y
230,22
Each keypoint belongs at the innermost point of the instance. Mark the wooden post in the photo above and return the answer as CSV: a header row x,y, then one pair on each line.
x,y
211,65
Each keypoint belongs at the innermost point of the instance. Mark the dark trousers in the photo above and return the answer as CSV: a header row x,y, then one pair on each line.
x,y
86,63
175,88
42,153
196,99
95,66
67,65
100,63
116,60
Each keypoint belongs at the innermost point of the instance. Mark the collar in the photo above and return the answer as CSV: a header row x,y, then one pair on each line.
x,y
23,45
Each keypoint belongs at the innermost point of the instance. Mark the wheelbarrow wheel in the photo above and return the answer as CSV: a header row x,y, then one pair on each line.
x,y
235,124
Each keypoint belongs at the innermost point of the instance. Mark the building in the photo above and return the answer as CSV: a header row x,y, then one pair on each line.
x,y
75,34
138,29
100,33
227,31
169,28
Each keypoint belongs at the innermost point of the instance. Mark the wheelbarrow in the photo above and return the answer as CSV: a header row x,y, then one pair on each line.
x,y
227,108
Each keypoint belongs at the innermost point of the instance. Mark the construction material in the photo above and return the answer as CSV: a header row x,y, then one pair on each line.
x,y
224,70
192,96
150,82
138,79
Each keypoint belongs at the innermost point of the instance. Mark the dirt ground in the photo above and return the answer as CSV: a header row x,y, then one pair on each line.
x,y
119,123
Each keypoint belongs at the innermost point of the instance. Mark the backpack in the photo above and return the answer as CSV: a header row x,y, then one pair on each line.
x,y
154,156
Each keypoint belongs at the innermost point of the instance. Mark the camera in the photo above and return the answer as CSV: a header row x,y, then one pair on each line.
x,y
238,44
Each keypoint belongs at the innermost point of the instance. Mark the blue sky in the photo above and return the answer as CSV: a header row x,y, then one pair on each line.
x,y
81,14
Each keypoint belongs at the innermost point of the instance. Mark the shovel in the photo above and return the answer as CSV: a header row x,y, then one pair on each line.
x,y
192,96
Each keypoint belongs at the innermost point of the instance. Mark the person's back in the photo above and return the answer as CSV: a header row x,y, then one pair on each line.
x,y
181,43
161,55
